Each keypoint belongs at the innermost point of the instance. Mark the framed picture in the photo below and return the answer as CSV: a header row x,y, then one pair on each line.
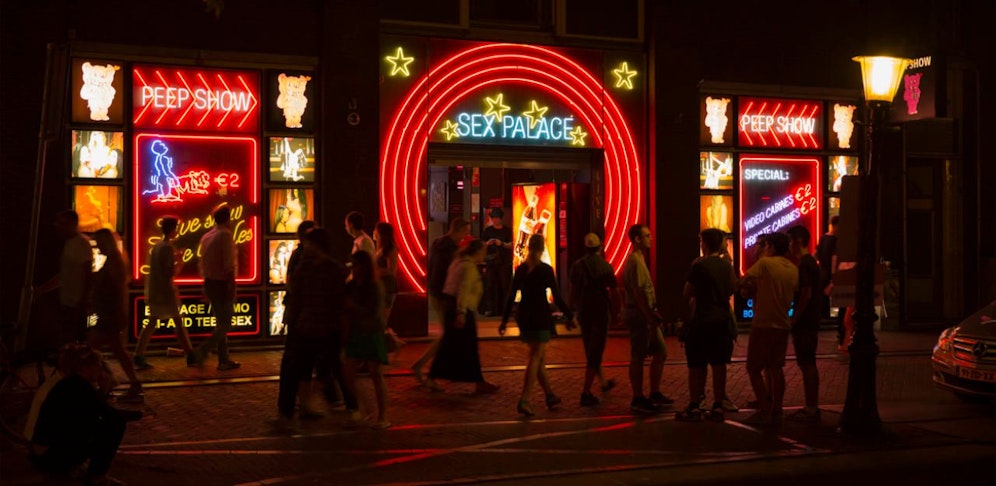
x,y
97,154
276,314
840,166
292,159
290,206
716,170
716,211
280,253
98,207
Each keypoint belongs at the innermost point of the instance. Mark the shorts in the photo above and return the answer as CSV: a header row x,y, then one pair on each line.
x,y
804,341
766,348
534,336
708,349
644,339
594,332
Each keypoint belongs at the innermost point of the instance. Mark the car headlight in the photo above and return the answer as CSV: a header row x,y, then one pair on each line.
x,y
945,341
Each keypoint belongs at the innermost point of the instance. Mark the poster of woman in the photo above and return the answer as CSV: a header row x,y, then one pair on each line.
x,y
290,206
97,154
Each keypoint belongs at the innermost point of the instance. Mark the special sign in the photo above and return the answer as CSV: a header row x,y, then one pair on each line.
x,y
188,176
197,316
195,99
780,123
776,193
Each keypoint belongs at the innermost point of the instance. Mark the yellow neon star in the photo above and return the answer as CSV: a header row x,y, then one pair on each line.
x,y
450,130
399,63
535,114
496,107
577,136
624,77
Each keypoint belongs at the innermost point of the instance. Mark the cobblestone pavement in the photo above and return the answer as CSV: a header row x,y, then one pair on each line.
x,y
217,427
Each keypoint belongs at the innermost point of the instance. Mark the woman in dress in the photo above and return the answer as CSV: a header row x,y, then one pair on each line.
x,y
364,308
458,358
536,323
387,264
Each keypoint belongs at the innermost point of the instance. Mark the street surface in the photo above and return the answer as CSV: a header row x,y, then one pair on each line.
x,y
217,428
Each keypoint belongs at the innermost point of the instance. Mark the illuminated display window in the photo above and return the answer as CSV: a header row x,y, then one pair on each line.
x,y
842,124
716,128
97,154
279,257
196,315
716,170
716,211
833,207
276,313
98,207
776,193
189,176
97,91
780,123
533,206
171,98
292,159
840,166
288,207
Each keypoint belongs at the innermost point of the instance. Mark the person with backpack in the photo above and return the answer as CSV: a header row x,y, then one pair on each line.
x,y
592,290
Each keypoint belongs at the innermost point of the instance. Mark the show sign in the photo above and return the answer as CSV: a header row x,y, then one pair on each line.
x,y
512,118
780,123
198,317
195,99
777,193
189,176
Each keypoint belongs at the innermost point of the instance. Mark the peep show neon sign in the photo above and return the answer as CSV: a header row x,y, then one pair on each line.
x,y
199,99
777,193
188,176
498,123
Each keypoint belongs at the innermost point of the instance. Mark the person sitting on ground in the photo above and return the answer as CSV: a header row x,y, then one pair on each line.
x,y
77,431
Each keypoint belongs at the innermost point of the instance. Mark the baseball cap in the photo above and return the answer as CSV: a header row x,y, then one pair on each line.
x,y
591,240
496,212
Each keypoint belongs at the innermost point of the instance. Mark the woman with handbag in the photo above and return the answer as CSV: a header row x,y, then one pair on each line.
x,y
458,358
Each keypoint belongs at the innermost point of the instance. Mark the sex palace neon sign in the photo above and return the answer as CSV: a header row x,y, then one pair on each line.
x,y
497,123
188,176
777,193
195,99
490,68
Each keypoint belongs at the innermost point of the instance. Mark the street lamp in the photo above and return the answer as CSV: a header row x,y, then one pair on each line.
x,y
881,76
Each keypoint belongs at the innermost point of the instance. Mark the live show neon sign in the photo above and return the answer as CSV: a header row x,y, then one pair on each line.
x,y
199,99
780,123
777,193
188,176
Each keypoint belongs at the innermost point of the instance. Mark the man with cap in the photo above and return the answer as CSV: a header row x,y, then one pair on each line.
x,y
592,290
497,239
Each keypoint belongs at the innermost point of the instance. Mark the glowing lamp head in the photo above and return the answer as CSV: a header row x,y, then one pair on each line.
x,y
881,76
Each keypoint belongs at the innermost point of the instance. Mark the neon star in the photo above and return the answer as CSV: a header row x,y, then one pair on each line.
x,y
624,77
399,63
535,114
577,136
450,130
496,107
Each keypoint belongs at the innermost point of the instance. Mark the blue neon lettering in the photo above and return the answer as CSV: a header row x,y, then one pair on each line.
x,y
463,124
477,125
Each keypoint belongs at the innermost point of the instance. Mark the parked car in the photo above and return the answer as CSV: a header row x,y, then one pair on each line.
x,y
965,356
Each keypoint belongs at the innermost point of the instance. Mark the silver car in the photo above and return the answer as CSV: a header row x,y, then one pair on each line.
x,y
965,356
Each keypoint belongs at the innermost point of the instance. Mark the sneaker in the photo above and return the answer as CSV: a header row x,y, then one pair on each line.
x,y
718,412
141,364
808,415
175,352
588,400
643,405
690,414
609,384
229,365
729,406
382,425
660,400
354,421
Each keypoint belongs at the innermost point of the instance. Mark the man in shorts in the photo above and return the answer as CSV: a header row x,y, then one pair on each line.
x,y
775,280
644,323
806,322
710,336
592,285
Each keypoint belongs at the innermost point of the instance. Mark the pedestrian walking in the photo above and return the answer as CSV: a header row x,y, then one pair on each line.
x,y
806,322
592,290
364,304
161,293
640,315
386,257
771,282
441,254
709,334
74,281
826,256
361,240
218,266
314,325
458,358
498,262
110,302
532,280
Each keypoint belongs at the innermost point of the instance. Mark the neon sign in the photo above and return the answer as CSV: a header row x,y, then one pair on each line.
x,y
777,193
195,99
197,316
791,124
624,76
188,176
531,125
399,63
421,110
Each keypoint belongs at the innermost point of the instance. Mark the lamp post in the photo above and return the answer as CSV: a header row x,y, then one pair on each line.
x,y
881,76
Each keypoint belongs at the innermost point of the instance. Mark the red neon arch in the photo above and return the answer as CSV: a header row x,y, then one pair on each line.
x,y
403,162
